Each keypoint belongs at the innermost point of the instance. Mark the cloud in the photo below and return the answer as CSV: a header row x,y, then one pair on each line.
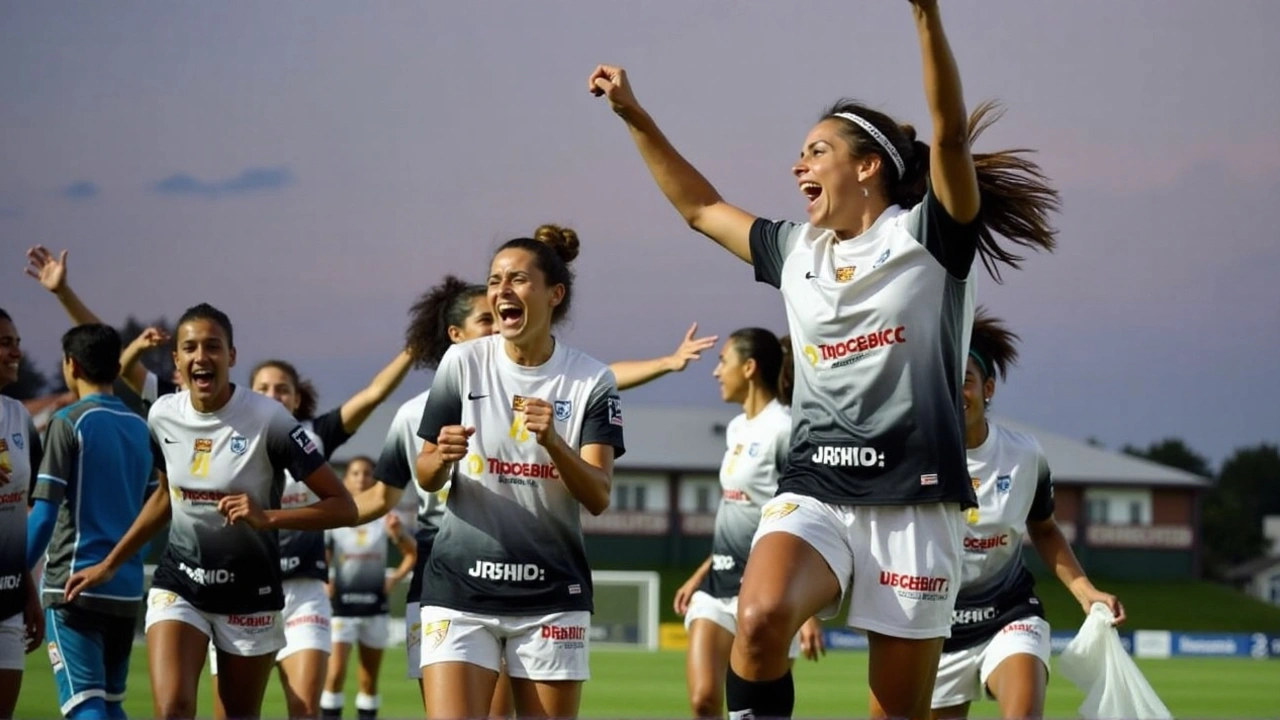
x,y
81,190
249,180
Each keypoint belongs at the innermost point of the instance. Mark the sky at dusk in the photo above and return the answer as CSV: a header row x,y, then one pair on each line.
x,y
312,167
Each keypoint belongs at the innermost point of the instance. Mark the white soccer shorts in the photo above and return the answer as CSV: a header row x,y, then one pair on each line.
x,y
13,643
962,675
723,612
369,631
543,648
900,565
306,619
248,635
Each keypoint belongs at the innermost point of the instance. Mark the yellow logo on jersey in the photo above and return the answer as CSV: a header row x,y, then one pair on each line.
x,y
733,459
845,274
777,510
202,457
811,354
475,465
971,515
362,536
163,599
433,633
4,456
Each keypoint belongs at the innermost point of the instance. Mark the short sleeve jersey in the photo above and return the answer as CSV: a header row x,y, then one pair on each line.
x,y
359,568
246,447
880,328
97,471
754,458
510,541
396,467
302,551
20,453
1011,477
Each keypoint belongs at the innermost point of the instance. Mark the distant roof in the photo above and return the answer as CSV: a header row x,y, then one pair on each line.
x,y
691,439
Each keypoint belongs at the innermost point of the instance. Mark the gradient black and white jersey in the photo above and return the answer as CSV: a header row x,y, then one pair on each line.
x,y
20,456
302,551
510,542
359,569
244,447
1013,484
880,328
754,458
396,468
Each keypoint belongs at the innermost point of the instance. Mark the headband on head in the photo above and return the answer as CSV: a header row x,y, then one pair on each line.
x,y
879,137
983,365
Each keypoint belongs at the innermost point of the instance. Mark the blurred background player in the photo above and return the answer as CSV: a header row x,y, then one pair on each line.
x,y
526,429
1000,640
96,474
755,371
21,621
358,592
222,452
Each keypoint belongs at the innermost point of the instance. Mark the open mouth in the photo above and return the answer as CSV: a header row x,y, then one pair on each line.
x,y
812,191
202,379
510,315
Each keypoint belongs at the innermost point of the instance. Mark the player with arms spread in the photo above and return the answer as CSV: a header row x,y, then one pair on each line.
x,y
222,451
878,292
999,638
526,430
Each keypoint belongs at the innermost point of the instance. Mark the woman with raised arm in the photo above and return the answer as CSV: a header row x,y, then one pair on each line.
x,y
755,371
878,290
222,452
304,660
525,430
999,638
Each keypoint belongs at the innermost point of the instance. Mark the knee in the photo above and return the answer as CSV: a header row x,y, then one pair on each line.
x,y
304,707
707,702
175,707
764,626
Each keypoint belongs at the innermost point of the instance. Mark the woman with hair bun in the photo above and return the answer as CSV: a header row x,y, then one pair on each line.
x,y
526,431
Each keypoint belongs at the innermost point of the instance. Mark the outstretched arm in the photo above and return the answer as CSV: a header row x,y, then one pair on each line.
x,y
691,194
51,272
361,405
634,373
951,169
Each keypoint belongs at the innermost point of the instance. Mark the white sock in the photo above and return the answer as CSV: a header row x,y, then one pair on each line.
x,y
368,702
331,701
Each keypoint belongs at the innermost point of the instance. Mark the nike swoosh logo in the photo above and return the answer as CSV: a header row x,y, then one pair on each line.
x,y
473,396
810,276
167,441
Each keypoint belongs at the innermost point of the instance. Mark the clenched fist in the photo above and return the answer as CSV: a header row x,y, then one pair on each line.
x,y
540,419
611,82
452,442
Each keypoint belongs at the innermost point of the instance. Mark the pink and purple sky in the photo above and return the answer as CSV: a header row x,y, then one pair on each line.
x,y
311,167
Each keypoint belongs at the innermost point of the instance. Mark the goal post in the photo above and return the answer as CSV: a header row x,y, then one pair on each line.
x,y
626,616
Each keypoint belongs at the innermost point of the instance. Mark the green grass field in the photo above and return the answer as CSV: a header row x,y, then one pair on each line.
x,y
651,685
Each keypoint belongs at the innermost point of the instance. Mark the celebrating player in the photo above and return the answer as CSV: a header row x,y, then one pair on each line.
x,y
96,474
358,556
755,371
526,430
999,638
878,294
21,621
222,451
304,659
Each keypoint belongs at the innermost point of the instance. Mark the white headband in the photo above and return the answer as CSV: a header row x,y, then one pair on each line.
x,y
879,137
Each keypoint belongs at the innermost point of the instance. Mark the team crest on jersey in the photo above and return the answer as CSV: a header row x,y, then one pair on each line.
x,y
1003,483
303,440
239,444
17,440
204,445
362,536
563,409
518,402
4,446
615,411
884,257
753,449
433,633
55,657
161,600
976,483
845,274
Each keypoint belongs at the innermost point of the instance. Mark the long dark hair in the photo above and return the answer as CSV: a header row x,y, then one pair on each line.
x,y
435,311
